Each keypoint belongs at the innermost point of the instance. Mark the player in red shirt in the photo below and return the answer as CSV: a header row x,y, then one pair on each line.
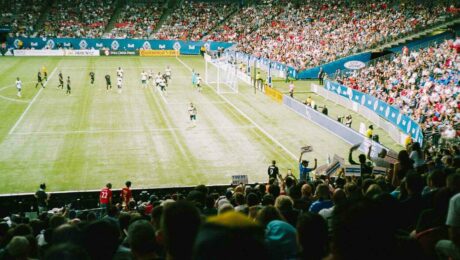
x,y
105,197
126,195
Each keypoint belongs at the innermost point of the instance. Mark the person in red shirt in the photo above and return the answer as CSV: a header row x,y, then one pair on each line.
x,y
126,195
105,197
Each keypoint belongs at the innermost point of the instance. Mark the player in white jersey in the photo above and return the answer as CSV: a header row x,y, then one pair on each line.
x,y
192,112
119,84
144,79
151,77
168,73
198,82
162,85
19,87
158,79
120,72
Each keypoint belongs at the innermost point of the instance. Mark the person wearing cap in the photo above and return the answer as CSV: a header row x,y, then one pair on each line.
x,y
304,171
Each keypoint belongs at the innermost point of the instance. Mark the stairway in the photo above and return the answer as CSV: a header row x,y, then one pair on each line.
x,y
427,32
169,8
116,13
43,16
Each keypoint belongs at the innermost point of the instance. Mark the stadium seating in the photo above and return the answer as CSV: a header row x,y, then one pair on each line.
x,y
193,20
423,83
21,16
80,18
137,20
315,33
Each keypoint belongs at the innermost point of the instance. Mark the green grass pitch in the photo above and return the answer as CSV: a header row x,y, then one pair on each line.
x,y
82,141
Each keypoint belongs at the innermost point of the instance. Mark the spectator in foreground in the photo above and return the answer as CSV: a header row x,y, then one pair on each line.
x,y
323,199
450,249
312,236
179,226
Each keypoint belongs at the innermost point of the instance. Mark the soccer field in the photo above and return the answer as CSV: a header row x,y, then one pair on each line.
x,y
82,141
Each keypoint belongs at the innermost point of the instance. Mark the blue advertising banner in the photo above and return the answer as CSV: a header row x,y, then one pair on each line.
x,y
185,47
384,110
332,67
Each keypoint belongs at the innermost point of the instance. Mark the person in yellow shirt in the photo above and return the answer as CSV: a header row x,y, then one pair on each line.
x,y
370,131
45,73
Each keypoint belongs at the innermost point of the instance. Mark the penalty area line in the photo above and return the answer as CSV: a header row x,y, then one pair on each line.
x,y
31,103
246,116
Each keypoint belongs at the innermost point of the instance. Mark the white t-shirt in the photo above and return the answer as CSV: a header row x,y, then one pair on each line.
x,y
119,81
453,215
418,160
18,84
143,76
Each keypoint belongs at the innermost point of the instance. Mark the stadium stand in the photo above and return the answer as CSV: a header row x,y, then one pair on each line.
x,y
21,16
80,18
423,83
405,214
309,34
137,20
194,19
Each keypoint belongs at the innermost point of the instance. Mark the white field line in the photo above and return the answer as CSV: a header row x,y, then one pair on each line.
x,y
31,103
102,131
197,103
14,99
246,116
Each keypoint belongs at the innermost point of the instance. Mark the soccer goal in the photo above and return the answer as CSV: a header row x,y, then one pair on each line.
x,y
221,74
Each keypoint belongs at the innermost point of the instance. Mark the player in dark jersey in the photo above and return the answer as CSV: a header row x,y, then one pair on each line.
x,y
39,80
61,81
273,171
91,74
107,82
165,78
68,86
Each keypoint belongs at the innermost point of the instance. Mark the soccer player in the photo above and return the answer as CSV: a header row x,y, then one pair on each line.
x,y
69,89
42,199
108,82
18,86
120,72
45,72
198,82
119,84
126,195
291,89
61,80
163,85
158,79
91,74
168,72
39,80
105,197
151,76
273,171
144,79
192,112
165,78
193,78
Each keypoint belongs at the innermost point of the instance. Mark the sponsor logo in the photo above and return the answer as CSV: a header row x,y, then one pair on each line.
x,y
83,44
354,65
177,46
146,45
50,44
119,53
34,44
99,45
115,45
408,127
191,47
363,100
130,45
161,46
376,105
387,112
158,53
16,43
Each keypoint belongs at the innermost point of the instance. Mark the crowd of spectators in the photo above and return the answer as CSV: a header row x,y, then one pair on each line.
x,y
194,19
137,20
78,18
21,16
423,83
313,32
412,212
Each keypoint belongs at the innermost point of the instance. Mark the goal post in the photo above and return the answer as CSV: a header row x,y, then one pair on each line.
x,y
221,74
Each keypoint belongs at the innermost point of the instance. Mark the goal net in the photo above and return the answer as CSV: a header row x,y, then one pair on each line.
x,y
221,74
